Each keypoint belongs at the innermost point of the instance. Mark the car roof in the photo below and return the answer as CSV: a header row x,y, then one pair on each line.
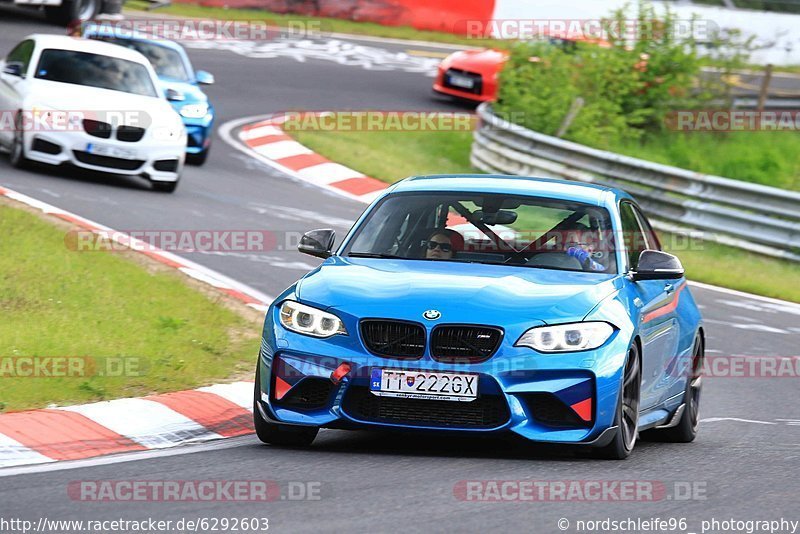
x,y
106,30
507,184
64,42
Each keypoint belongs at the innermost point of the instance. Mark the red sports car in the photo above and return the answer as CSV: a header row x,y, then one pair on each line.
x,y
472,74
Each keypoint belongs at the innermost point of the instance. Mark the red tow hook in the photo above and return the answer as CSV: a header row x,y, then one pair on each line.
x,y
339,373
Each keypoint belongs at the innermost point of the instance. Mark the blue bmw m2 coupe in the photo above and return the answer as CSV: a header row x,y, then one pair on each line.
x,y
487,304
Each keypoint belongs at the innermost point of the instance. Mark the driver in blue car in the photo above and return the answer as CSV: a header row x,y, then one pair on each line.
x,y
442,244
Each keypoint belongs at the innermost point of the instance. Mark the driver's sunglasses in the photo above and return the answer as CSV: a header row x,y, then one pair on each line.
x,y
446,247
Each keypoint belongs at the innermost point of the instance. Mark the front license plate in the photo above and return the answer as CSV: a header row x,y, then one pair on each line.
x,y
462,81
423,385
110,151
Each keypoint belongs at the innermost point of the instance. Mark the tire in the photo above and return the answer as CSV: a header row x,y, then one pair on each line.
x,y
71,11
16,152
686,429
277,434
165,187
627,417
199,158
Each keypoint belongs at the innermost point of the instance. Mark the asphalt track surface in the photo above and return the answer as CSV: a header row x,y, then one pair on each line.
x,y
743,464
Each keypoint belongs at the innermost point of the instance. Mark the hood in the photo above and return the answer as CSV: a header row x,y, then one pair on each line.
x,y
462,292
191,92
482,60
68,97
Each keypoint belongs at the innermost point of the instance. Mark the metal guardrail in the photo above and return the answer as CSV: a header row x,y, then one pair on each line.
x,y
754,217
773,102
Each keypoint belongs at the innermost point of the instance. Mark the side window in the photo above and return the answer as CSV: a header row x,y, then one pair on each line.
x,y
21,54
632,234
652,239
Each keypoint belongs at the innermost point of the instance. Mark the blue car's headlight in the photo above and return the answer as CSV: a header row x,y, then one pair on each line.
x,y
566,337
194,111
310,321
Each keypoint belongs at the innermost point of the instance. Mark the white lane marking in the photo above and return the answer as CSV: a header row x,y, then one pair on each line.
x,y
747,326
297,214
737,420
272,261
228,443
326,173
239,393
742,294
331,50
146,422
14,453
782,308
261,131
745,319
759,307
51,193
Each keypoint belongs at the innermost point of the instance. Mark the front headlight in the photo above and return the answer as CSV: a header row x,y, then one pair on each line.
x,y
566,337
194,111
310,321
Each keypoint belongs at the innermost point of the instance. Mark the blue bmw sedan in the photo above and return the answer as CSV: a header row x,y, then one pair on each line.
x,y
178,79
487,304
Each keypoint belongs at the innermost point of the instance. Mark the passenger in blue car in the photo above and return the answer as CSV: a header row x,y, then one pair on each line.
x,y
442,244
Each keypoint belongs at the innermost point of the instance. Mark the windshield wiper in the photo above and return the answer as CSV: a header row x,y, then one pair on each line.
x,y
374,255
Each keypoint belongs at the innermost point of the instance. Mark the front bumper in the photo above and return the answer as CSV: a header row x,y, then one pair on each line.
x,y
159,160
565,398
198,133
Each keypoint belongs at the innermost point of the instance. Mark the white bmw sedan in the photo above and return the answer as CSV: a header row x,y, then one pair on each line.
x,y
91,104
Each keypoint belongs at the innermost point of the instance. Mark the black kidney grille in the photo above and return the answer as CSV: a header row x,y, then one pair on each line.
x,y
97,128
393,339
464,343
130,134
487,411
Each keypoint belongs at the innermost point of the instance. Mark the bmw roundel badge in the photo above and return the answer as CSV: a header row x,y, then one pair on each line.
x,y
432,315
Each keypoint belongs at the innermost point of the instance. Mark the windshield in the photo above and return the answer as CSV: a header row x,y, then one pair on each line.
x,y
167,62
93,70
488,228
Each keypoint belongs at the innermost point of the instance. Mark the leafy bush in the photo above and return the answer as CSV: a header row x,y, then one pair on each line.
x,y
627,85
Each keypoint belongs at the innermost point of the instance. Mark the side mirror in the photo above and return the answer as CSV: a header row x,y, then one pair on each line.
x,y
175,96
317,243
203,77
13,69
657,265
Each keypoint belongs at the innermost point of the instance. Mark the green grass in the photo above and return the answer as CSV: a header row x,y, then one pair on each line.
x,y
391,156
323,25
767,158
55,302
